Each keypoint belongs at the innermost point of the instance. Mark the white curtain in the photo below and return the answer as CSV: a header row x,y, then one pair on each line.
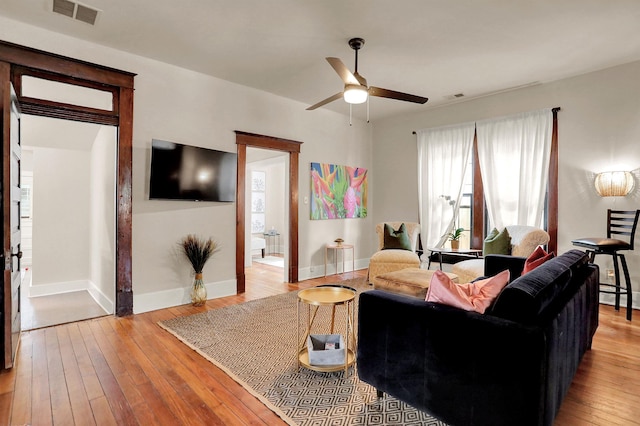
x,y
514,156
443,157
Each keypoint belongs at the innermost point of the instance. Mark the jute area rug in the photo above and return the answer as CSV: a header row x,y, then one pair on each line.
x,y
255,343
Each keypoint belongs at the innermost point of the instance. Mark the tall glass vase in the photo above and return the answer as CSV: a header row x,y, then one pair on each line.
x,y
198,291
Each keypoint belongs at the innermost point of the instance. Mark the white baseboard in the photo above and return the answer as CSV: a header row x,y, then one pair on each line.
x,y
51,289
58,288
610,299
318,270
179,296
101,299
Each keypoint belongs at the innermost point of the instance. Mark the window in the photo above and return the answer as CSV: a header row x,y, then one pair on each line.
x,y
25,202
258,186
478,210
465,212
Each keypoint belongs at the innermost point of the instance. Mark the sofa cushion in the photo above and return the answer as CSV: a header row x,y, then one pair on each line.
x,y
497,242
535,259
476,296
526,298
396,239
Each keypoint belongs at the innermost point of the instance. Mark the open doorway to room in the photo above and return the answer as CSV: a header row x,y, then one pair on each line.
x,y
291,149
267,230
68,218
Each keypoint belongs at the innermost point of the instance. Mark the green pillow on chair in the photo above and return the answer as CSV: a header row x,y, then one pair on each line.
x,y
396,239
497,242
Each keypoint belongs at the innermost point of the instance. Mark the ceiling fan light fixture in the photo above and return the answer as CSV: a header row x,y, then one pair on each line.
x,y
355,94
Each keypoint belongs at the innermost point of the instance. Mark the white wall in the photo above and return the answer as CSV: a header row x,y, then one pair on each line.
x,y
61,245
598,130
102,218
179,105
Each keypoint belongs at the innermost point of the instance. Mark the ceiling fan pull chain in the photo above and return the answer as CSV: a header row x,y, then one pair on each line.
x,y
368,97
350,110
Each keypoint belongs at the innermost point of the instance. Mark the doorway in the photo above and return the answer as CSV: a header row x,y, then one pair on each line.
x,y
68,263
267,209
243,141
18,61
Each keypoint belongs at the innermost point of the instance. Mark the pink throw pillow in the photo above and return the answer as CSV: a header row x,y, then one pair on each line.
x,y
535,259
476,296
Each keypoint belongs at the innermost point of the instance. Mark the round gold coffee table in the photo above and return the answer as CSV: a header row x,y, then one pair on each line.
x,y
331,296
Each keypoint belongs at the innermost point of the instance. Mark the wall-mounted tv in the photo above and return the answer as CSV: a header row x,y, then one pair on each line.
x,y
183,172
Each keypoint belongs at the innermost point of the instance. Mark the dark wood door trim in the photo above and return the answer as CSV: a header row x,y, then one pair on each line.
x,y
28,61
244,140
552,214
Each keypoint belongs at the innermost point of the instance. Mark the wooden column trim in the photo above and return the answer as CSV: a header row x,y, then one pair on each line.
x,y
240,217
552,219
293,216
124,209
477,214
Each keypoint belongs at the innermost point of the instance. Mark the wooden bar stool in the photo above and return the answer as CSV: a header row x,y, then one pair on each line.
x,y
620,224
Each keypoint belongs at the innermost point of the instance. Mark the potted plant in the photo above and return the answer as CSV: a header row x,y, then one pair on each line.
x,y
198,251
454,237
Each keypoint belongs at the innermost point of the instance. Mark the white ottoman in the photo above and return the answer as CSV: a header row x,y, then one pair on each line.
x,y
468,270
410,281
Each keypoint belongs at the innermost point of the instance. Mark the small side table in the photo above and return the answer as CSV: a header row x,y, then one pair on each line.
x,y
441,251
336,248
331,296
271,240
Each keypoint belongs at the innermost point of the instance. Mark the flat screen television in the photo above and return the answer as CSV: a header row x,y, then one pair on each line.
x,y
183,172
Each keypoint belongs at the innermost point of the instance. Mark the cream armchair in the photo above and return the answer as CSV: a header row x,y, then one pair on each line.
x,y
524,240
390,260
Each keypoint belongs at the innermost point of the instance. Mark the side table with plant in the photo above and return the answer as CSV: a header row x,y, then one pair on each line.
x,y
198,251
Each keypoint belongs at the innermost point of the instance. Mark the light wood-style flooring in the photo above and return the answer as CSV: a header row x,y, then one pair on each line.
x,y
121,371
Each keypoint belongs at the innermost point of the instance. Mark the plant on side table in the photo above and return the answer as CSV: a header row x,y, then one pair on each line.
x,y
198,251
454,237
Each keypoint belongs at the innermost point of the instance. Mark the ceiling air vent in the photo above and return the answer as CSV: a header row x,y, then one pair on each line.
x,y
76,11
64,7
456,96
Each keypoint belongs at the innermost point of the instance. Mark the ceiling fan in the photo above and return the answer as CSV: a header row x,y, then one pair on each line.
x,y
356,90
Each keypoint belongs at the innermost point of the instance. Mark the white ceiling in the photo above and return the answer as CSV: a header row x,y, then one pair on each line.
x,y
432,48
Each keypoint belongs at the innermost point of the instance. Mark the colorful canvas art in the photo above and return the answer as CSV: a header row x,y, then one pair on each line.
x,y
338,192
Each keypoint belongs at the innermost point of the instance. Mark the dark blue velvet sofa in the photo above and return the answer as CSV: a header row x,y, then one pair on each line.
x,y
510,366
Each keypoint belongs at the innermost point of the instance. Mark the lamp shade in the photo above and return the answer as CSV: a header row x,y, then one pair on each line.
x,y
355,94
614,184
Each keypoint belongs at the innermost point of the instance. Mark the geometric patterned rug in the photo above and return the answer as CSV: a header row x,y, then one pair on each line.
x,y
255,343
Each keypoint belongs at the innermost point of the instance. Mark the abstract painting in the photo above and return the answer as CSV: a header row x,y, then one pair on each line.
x,y
338,192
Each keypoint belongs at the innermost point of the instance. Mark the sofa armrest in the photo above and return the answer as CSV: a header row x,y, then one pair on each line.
x,y
496,263
443,360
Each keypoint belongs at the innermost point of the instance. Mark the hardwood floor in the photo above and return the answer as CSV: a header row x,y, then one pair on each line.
x,y
129,371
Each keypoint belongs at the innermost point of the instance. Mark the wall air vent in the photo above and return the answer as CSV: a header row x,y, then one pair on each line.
x,y
76,11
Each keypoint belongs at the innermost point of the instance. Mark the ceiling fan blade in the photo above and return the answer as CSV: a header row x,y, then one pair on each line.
x,y
392,94
344,73
326,101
